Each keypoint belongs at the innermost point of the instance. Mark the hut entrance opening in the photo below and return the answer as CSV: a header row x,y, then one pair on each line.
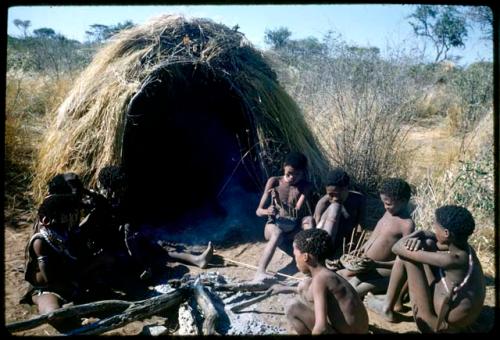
x,y
185,135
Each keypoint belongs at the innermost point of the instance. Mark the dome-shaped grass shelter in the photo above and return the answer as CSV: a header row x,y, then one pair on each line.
x,y
187,106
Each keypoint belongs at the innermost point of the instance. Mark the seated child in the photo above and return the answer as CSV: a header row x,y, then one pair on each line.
x,y
445,278
340,210
287,200
327,303
52,269
396,223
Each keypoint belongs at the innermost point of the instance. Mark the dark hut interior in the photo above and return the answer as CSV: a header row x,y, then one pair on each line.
x,y
185,134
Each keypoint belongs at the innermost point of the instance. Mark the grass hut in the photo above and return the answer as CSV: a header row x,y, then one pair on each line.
x,y
187,106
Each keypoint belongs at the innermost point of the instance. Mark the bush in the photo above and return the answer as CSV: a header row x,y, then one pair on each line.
x,y
474,87
357,104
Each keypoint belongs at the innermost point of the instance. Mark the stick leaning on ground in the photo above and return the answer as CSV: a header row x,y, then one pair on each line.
x,y
255,268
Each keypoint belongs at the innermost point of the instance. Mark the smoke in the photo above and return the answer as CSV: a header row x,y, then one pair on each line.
x,y
229,220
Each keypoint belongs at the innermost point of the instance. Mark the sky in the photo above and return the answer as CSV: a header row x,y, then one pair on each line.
x,y
382,26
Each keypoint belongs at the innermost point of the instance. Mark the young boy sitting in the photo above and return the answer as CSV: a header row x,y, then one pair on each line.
x,y
340,211
445,278
327,303
288,196
396,223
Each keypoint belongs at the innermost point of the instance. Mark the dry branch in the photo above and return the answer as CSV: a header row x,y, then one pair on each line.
x,y
244,286
238,307
70,312
209,312
137,311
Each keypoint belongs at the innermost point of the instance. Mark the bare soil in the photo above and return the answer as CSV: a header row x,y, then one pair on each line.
x,y
269,311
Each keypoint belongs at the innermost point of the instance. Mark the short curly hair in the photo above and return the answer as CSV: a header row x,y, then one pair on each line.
x,y
58,185
297,160
456,219
316,242
396,188
112,177
54,206
337,177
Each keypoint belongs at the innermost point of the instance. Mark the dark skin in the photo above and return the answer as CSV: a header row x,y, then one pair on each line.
x,y
48,272
327,303
339,209
292,192
420,255
395,224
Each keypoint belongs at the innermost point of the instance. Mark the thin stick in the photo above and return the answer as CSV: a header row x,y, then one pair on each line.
x,y
359,240
363,243
350,243
255,268
343,246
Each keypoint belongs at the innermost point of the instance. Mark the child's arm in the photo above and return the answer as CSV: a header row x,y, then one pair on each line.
x,y
320,307
39,248
261,211
438,259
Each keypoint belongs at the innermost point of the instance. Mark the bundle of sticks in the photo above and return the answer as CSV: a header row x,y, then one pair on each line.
x,y
354,260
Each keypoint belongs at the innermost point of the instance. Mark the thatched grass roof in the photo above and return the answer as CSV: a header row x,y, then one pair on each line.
x,y
88,128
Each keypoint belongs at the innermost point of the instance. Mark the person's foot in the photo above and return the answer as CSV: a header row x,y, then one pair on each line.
x,y
379,306
262,277
203,259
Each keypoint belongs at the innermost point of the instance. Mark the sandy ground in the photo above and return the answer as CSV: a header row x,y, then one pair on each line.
x,y
269,311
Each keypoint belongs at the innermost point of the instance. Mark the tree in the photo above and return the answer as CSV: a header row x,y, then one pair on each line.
x,y
44,32
483,16
445,26
277,38
23,25
99,33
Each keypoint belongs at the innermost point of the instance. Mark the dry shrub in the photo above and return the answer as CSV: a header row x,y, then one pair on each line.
x,y
469,183
34,93
357,104
29,96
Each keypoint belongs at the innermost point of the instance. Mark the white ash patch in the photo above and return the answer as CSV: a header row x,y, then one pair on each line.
x,y
249,324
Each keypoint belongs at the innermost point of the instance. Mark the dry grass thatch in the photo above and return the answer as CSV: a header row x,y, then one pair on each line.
x,y
88,127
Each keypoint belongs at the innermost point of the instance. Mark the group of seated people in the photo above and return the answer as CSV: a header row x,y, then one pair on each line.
x,y
82,238
439,270
84,241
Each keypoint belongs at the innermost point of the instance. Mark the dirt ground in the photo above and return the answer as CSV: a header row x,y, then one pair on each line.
x,y
269,311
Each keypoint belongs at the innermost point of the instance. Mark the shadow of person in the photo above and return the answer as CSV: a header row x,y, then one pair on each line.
x,y
289,269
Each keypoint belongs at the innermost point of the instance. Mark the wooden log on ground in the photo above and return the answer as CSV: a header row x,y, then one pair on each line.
x,y
70,312
137,311
238,307
244,286
209,312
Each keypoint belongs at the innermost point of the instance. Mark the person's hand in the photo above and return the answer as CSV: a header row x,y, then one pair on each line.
x,y
272,211
276,289
413,244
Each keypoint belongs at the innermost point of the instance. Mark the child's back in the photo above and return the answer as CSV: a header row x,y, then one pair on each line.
x,y
346,311
327,303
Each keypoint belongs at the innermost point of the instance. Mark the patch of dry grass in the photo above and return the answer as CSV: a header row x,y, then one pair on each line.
x,y
29,96
468,181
